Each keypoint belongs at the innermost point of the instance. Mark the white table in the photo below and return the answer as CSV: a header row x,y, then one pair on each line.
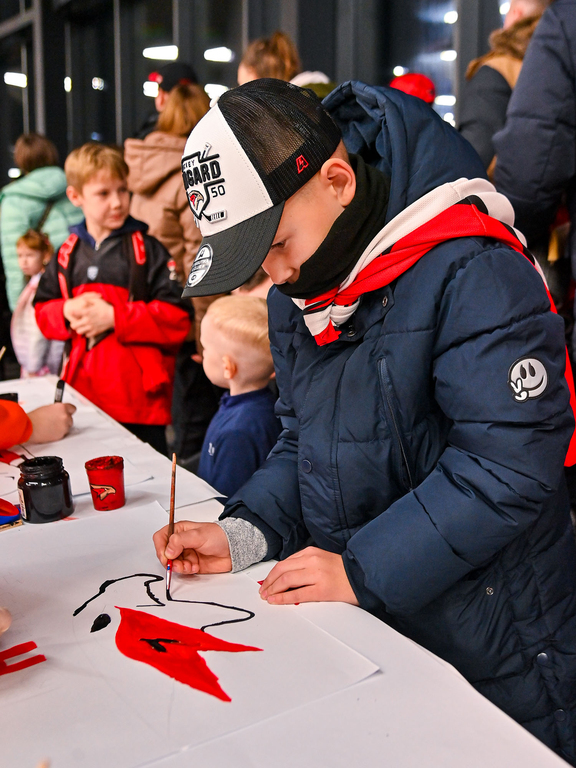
x,y
418,711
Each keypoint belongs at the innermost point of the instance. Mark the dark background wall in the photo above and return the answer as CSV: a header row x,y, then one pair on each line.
x,y
98,44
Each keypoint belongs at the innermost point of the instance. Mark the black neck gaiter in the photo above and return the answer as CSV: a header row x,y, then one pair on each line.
x,y
348,238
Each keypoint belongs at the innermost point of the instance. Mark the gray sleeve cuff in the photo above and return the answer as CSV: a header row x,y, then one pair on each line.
x,y
247,543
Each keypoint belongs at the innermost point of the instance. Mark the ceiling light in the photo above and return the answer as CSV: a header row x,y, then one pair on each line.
x,y
14,173
445,101
161,52
451,17
67,84
399,71
504,8
18,79
97,83
150,89
448,55
219,54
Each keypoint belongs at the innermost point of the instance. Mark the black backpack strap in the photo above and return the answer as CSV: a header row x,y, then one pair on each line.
x,y
42,221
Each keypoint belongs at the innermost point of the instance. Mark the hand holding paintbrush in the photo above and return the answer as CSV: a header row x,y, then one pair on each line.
x,y
171,524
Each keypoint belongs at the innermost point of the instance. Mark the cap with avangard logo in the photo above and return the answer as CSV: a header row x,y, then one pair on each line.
x,y
257,146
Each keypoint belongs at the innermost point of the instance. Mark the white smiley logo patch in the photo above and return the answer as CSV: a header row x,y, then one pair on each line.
x,y
527,379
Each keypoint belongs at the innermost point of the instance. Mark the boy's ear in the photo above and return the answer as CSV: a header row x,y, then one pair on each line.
x,y
339,175
74,196
230,367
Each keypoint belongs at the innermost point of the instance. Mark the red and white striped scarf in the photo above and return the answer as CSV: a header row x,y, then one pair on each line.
x,y
463,208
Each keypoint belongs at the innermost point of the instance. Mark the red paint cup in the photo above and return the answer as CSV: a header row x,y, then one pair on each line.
x,y
106,478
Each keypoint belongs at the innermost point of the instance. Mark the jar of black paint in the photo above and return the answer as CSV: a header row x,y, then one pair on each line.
x,y
44,490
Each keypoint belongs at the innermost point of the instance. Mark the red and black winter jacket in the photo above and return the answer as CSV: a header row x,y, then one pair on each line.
x,y
129,372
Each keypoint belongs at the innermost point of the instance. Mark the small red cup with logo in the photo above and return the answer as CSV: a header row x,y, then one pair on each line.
x,y
106,478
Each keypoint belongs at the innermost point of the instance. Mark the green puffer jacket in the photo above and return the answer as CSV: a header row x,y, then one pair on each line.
x,y
22,204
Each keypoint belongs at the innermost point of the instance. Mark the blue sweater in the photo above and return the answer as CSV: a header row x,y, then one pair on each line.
x,y
239,438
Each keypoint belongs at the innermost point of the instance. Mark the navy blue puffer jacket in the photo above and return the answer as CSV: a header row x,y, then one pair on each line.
x,y
405,451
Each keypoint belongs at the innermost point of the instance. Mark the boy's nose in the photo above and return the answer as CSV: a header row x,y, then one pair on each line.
x,y
279,273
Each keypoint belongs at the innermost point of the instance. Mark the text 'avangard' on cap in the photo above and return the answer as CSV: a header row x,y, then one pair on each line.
x,y
257,146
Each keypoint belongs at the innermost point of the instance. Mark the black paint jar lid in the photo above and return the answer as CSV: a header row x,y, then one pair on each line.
x,y
42,467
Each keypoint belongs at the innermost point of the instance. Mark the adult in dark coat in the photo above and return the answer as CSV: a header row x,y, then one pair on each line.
x,y
536,166
491,79
536,150
410,456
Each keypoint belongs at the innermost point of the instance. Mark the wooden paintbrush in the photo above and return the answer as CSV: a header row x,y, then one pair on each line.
x,y
171,523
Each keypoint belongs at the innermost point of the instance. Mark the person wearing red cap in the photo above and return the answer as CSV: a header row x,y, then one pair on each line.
x,y
417,85
168,77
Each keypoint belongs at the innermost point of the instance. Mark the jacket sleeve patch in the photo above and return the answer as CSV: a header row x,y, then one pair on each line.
x,y
527,379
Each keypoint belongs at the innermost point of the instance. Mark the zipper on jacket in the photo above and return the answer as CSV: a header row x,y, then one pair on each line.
x,y
386,391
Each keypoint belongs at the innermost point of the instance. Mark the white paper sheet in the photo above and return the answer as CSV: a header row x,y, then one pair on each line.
x,y
76,450
96,434
88,704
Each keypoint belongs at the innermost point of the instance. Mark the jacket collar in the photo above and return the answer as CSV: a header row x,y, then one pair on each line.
x,y
130,225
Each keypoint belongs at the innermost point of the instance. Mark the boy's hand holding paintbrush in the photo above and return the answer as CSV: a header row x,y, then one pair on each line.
x,y
194,548
191,547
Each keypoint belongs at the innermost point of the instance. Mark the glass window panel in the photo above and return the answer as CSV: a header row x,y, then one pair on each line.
x,y
223,30
93,92
16,88
151,27
424,42
9,8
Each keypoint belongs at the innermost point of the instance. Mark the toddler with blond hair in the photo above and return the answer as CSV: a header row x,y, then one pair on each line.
x,y
36,354
237,357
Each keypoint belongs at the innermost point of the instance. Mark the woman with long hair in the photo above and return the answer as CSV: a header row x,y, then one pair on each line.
x,y
277,56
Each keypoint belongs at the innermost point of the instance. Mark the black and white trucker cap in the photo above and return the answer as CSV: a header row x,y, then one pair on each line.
x,y
257,146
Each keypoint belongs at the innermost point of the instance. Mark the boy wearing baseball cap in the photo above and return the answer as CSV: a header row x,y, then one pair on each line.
x,y
424,395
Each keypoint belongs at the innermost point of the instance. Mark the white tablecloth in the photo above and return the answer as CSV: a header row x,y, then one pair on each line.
x,y
417,712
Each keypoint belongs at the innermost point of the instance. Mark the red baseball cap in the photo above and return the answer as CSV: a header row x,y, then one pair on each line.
x,y
417,85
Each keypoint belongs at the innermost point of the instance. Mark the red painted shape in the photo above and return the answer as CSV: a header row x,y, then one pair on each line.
x,y
301,163
18,650
180,659
7,457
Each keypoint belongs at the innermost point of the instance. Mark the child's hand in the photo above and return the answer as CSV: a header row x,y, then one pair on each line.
x,y
309,576
194,548
96,317
73,308
51,422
